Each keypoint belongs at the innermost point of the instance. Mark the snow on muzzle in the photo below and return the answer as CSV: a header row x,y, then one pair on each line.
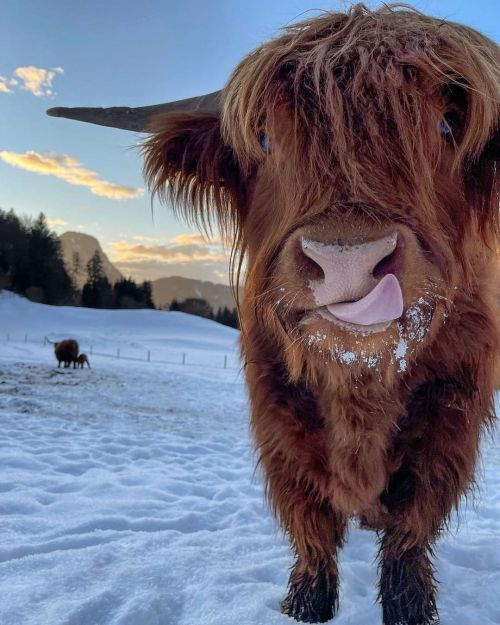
x,y
349,290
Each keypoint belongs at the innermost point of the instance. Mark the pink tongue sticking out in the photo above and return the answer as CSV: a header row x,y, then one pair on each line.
x,y
384,303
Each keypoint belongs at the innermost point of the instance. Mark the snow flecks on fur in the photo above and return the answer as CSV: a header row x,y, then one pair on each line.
x,y
412,329
316,338
401,349
348,357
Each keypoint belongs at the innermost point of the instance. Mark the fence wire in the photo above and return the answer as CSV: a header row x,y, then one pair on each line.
x,y
182,357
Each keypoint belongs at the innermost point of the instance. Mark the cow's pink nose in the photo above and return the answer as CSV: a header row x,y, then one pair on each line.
x,y
348,270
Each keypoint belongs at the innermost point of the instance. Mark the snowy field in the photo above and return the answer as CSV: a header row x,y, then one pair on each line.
x,y
128,494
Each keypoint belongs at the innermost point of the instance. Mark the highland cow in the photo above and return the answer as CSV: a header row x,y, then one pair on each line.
x,y
66,351
81,360
352,163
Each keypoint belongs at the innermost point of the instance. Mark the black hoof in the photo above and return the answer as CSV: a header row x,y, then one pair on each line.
x,y
404,611
311,598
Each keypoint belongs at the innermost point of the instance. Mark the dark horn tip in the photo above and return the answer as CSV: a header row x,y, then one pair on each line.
x,y
56,111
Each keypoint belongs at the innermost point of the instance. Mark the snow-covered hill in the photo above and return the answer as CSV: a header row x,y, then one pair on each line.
x,y
128,494
167,336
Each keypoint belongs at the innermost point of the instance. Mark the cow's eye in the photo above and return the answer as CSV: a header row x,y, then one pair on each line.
x,y
449,124
444,129
264,142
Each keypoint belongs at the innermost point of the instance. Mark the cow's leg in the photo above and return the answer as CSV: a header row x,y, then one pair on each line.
x,y
407,584
441,439
316,532
58,364
290,438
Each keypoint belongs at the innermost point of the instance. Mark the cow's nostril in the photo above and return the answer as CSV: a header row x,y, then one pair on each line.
x,y
390,263
385,266
307,266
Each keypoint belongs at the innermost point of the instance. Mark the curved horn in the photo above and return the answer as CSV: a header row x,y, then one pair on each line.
x,y
138,119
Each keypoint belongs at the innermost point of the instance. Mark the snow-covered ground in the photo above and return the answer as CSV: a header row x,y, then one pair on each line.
x,y
128,494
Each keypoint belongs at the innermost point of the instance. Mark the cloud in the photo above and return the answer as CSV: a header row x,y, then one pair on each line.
x,y
71,171
56,222
36,80
194,239
139,237
150,270
188,255
4,85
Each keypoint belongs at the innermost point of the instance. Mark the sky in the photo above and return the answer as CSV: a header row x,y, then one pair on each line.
x,y
118,52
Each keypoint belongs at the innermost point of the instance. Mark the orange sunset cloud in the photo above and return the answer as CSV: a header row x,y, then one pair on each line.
x,y
71,171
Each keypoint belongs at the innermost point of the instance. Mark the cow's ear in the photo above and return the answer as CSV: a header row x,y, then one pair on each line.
x,y
188,163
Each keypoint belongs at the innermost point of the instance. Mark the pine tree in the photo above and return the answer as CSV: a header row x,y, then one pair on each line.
x,y
196,306
127,294
31,260
95,271
227,317
14,246
97,291
76,267
146,290
47,271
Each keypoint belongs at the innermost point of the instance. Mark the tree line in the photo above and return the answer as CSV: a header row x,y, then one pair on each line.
x,y
201,308
98,292
32,264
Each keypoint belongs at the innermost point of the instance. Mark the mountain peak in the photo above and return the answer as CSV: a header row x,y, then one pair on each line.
x,y
78,248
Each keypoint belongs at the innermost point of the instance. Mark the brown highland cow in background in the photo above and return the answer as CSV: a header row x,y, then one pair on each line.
x,y
353,163
67,352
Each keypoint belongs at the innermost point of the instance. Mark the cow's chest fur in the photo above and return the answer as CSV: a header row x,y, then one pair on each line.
x,y
359,433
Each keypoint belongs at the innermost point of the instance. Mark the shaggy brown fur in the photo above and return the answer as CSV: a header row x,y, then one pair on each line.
x,y
378,122
66,351
81,360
